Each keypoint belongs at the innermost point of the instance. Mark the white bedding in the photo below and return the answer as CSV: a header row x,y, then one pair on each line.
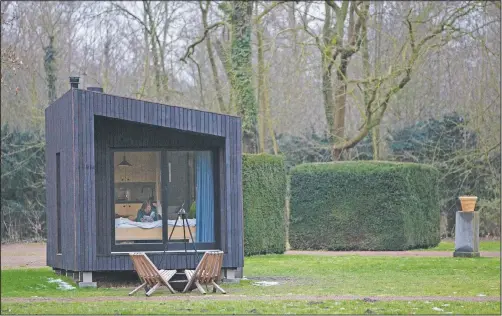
x,y
127,223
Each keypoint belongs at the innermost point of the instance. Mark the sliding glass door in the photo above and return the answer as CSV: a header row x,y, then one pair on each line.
x,y
152,191
190,186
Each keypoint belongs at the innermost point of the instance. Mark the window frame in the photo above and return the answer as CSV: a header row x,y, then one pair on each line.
x,y
171,246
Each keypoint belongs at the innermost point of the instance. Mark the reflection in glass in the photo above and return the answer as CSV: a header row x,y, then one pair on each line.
x,y
191,185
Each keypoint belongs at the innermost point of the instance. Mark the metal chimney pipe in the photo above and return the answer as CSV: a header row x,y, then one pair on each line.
x,y
74,82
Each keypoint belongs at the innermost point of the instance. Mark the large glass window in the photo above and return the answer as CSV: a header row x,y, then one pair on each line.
x,y
138,205
152,191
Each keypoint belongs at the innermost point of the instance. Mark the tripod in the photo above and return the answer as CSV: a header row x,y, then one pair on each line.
x,y
184,221
181,214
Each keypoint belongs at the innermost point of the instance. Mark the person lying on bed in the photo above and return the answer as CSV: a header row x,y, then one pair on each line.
x,y
146,213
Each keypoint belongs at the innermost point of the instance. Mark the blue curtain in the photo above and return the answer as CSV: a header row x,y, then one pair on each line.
x,y
204,201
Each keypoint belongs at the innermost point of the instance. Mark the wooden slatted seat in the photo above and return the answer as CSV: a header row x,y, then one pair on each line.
x,y
150,276
208,271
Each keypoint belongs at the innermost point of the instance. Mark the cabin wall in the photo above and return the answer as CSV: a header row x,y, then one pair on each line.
x,y
97,133
60,137
85,188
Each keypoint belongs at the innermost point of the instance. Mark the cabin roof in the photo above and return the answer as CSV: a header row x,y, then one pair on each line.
x,y
129,98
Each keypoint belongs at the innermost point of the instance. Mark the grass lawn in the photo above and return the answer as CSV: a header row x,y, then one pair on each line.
x,y
484,245
256,307
296,274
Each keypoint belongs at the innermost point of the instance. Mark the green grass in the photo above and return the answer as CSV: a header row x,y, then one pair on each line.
x,y
301,274
358,275
315,275
254,307
484,245
34,282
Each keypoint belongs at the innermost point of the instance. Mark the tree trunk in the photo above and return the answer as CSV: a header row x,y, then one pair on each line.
x,y
50,69
261,90
327,94
345,53
340,100
147,58
155,52
268,116
106,63
367,73
375,133
265,120
214,68
224,55
241,78
162,51
292,25
327,83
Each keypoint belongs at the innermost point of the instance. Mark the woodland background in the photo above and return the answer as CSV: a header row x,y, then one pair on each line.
x,y
313,81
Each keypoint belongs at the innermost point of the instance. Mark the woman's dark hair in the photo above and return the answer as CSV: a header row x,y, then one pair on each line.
x,y
145,204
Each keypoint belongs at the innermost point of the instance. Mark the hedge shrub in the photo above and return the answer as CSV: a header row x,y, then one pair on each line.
x,y
264,193
364,206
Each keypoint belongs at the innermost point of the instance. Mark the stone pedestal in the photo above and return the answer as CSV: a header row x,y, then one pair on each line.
x,y
466,234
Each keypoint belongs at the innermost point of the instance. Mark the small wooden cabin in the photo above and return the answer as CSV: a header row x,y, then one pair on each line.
x,y
120,169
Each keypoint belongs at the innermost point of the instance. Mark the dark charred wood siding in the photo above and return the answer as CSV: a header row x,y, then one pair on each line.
x,y
84,127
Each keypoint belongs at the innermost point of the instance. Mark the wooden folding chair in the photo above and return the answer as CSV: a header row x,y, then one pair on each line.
x,y
208,271
150,276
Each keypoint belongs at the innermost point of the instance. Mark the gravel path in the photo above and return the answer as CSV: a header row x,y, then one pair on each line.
x,y
387,253
28,255
230,297
32,255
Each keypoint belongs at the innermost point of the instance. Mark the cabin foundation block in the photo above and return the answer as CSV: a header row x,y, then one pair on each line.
x,y
466,234
231,275
86,278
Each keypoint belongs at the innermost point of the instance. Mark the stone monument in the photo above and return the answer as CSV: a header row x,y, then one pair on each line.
x,y
466,234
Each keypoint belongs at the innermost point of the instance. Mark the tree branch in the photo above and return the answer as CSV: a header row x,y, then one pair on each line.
x,y
266,11
333,5
191,47
127,12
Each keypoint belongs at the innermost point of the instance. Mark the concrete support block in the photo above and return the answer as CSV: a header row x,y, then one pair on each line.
x,y
86,278
466,234
239,273
87,284
230,275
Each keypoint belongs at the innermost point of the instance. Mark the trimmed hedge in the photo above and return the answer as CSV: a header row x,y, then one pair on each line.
x,y
264,193
364,206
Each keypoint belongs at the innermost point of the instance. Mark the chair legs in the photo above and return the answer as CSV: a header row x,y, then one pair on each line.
x,y
199,287
189,275
191,280
153,289
138,288
216,286
167,276
170,287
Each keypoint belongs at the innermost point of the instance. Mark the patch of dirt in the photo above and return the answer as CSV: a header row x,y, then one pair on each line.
x,y
33,255
230,297
28,255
